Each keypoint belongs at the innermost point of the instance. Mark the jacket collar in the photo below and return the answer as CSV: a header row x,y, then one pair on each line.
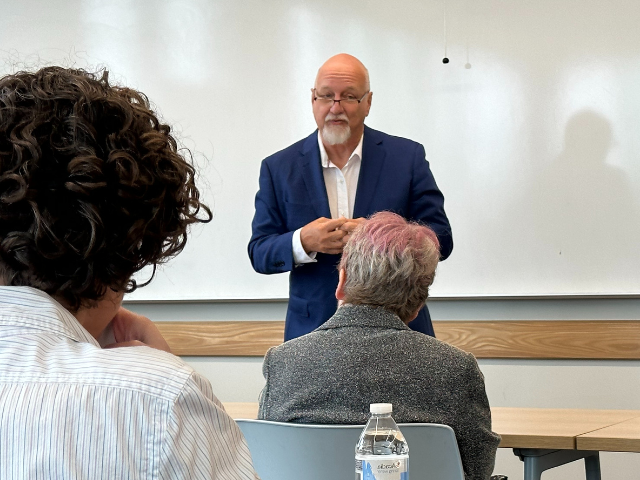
x,y
349,315
313,177
373,159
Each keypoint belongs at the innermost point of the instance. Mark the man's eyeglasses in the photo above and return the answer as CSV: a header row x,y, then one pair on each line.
x,y
330,100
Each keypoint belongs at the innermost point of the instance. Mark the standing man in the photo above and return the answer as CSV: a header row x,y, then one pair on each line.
x,y
316,191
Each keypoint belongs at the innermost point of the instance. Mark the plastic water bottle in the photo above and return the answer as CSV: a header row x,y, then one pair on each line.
x,y
382,452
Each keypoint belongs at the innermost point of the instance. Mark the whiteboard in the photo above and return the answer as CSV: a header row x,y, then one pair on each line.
x,y
532,129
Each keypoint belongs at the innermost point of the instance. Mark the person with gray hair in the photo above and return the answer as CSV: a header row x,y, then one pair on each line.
x,y
366,353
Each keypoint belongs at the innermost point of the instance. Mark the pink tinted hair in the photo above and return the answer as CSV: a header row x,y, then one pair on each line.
x,y
390,233
390,262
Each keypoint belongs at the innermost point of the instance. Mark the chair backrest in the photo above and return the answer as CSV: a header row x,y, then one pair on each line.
x,y
291,451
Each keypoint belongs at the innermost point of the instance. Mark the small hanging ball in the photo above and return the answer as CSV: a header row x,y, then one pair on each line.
x,y
445,60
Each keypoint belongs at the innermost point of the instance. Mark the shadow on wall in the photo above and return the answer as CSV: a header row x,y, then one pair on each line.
x,y
576,228
585,211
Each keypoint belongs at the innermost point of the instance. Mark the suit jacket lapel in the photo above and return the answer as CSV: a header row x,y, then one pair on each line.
x,y
373,158
313,177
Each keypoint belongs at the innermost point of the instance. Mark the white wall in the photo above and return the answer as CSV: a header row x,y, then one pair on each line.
x,y
531,129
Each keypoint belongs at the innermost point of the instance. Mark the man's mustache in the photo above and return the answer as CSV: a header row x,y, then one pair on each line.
x,y
332,116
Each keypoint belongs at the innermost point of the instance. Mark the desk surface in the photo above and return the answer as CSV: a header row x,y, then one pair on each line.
x,y
541,427
241,410
551,427
620,437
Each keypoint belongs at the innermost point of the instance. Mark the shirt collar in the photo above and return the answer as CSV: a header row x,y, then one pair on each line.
x,y
32,308
324,156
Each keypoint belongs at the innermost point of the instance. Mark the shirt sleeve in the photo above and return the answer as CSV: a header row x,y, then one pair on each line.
x,y
299,254
202,440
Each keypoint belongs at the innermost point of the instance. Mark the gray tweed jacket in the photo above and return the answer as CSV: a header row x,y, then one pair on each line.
x,y
366,355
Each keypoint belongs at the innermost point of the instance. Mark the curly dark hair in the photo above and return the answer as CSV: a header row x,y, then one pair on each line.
x,y
92,185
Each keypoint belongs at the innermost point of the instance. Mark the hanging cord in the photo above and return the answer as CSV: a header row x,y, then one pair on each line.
x,y
444,29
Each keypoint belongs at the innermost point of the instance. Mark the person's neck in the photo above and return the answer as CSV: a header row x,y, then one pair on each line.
x,y
95,316
87,318
340,154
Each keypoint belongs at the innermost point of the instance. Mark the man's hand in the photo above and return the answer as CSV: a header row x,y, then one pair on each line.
x,y
349,226
323,235
132,330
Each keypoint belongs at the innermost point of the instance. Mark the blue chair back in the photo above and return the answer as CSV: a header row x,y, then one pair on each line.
x,y
291,451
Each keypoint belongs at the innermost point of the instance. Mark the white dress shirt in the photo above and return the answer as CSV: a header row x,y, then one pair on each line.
x,y
341,185
71,410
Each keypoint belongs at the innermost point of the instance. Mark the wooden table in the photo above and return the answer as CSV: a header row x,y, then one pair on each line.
x,y
552,427
546,438
241,410
620,437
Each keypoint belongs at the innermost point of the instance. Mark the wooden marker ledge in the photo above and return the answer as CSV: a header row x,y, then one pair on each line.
x,y
576,339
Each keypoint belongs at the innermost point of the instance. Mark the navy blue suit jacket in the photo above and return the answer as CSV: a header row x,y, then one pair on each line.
x,y
394,176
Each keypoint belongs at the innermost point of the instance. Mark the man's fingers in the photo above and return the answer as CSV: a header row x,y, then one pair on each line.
x,y
351,224
121,324
327,235
335,235
330,225
130,327
349,227
333,246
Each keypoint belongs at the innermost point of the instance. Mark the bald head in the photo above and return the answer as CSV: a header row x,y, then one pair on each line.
x,y
344,67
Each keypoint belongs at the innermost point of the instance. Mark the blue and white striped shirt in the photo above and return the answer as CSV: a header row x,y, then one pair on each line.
x,y
70,410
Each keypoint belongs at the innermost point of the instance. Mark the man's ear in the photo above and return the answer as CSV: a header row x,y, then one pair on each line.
x,y
369,98
342,278
415,315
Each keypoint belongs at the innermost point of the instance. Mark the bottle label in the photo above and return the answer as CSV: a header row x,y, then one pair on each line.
x,y
382,467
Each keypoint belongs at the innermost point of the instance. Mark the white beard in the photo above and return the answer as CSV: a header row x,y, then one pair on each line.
x,y
336,135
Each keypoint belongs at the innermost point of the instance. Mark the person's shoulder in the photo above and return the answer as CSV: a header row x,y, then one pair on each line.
x,y
390,140
295,344
296,349
292,152
442,351
146,370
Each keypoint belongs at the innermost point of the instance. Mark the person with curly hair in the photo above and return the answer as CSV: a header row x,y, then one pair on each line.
x,y
93,188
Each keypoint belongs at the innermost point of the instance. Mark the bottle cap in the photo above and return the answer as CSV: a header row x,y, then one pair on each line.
x,y
380,408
